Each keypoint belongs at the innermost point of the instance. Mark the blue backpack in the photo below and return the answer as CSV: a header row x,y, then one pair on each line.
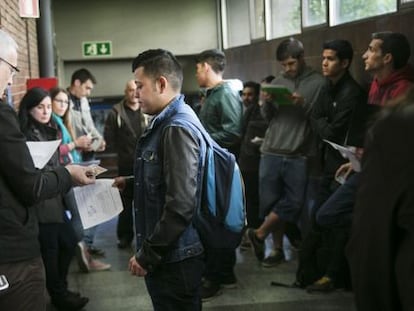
x,y
221,214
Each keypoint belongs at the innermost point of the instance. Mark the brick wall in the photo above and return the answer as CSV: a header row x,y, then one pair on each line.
x,y
23,31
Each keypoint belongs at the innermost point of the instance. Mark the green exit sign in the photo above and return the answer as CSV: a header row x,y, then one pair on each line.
x,y
97,48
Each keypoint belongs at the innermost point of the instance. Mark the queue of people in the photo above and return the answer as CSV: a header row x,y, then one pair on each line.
x,y
280,142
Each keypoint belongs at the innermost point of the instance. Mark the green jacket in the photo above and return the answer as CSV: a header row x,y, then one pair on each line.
x,y
221,114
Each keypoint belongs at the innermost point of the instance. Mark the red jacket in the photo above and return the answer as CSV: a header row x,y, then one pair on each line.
x,y
392,87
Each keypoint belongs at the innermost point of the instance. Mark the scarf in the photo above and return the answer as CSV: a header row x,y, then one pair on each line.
x,y
73,156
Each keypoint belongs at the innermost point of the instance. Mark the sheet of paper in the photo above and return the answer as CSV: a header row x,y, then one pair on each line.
x,y
42,151
347,153
98,202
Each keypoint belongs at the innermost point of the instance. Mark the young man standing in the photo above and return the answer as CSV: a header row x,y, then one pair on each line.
x,y
331,120
167,187
221,114
287,144
123,127
82,83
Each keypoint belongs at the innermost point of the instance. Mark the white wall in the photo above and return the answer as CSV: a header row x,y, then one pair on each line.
x,y
185,27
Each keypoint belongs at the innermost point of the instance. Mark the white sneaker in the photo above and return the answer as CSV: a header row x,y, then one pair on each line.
x,y
82,257
97,265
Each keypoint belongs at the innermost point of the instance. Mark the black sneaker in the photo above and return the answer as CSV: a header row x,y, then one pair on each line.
x,y
97,252
123,244
209,290
276,257
324,285
257,245
69,302
229,282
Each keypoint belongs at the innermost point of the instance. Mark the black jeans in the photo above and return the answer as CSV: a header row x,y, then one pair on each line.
x,y
124,228
176,286
26,290
220,264
57,245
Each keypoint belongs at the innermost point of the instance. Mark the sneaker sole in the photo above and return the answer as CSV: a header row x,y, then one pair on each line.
x,y
219,292
229,286
271,265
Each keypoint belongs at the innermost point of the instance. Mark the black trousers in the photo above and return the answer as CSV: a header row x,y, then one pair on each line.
x,y
57,245
124,228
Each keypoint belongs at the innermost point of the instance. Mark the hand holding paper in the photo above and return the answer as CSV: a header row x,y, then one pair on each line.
x,y
348,153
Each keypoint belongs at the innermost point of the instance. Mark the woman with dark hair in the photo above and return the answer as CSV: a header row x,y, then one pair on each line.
x,y
56,235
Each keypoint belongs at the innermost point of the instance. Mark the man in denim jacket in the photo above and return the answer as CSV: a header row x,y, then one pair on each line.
x,y
167,178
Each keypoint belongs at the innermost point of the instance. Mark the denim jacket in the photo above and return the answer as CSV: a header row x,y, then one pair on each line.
x,y
167,188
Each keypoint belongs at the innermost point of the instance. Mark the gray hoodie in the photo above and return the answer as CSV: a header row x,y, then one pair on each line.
x,y
289,132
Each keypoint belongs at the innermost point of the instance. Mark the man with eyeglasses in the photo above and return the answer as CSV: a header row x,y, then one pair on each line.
x,y
22,275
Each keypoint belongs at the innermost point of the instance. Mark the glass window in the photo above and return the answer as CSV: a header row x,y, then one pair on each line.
x,y
313,12
236,25
257,19
282,18
342,11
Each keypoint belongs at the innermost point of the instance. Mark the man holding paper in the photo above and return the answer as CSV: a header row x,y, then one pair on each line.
x,y
22,276
286,147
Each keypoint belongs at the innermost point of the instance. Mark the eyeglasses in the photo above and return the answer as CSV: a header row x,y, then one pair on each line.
x,y
13,69
62,102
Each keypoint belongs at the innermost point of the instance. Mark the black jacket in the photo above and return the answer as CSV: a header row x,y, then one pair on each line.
x,y
380,248
121,138
332,117
253,125
50,210
21,186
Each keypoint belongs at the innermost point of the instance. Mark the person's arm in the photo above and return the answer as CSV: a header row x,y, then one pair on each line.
x,y
181,164
16,166
338,126
110,131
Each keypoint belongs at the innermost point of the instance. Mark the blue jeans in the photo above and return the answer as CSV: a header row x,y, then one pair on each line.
x,y
282,186
337,210
87,235
176,286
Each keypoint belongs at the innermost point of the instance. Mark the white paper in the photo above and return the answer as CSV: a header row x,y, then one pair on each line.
x,y
347,153
42,151
98,202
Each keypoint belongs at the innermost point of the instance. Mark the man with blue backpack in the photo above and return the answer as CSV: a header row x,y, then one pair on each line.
x,y
221,114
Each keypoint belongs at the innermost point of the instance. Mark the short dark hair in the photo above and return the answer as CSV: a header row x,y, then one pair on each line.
x,y
253,85
343,49
159,62
268,79
396,44
82,75
289,48
214,57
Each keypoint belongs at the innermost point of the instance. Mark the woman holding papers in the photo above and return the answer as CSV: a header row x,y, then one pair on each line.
x,y
70,152
56,235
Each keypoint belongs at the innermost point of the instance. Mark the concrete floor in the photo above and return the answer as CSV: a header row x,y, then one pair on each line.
x,y
118,290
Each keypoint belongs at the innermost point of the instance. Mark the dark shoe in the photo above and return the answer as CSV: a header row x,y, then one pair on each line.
x,y
209,290
245,243
229,282
324,285
69,302
72,293
276,257
257,245
123,244
94,251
